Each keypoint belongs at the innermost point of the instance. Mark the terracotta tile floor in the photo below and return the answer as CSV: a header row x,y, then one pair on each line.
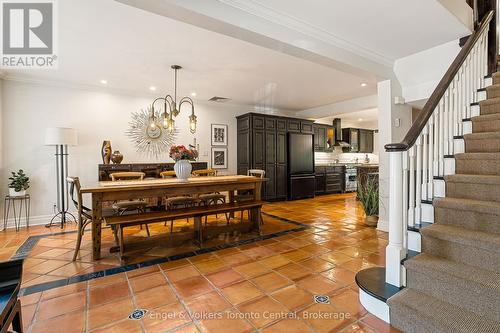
x,y
266,286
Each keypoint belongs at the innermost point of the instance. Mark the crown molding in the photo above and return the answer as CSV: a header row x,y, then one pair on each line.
x,y
146,95
288,21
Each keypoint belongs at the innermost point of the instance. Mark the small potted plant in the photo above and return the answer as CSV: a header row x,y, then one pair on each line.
x,y
368,196
182,155
19,183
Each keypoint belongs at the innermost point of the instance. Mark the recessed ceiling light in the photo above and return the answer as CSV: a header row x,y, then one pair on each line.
x,y
360,119
363,84
104,81
193,94
152,88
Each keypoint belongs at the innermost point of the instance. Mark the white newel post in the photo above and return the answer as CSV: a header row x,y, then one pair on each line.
x,y
395,251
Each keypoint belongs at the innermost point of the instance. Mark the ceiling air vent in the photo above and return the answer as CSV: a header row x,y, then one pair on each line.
x,y
219,99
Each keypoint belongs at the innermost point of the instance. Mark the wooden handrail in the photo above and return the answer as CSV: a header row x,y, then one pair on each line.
x,y
433,101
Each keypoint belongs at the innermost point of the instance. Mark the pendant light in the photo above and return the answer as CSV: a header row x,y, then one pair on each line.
x,y
171,108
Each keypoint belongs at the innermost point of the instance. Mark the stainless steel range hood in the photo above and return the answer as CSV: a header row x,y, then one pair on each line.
x,y
337,126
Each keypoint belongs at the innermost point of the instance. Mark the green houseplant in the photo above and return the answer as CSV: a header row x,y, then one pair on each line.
x,y
19,183
368,196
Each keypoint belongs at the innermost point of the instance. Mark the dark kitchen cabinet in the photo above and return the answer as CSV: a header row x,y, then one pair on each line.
x,y
258,147
319,137
270,155
365,141
320,183
324,137
306,127
262,144
361,140
330,179
293,125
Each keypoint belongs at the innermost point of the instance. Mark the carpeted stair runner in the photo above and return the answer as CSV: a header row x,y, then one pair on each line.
x,y
454,284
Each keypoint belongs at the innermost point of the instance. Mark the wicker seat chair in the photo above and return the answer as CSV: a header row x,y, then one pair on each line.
x,y
138,205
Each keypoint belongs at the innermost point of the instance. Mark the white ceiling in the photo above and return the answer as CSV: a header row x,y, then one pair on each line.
x,y
133,50
360,119
390,29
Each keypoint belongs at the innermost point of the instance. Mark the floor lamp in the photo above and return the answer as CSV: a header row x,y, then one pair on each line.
x,y
61,138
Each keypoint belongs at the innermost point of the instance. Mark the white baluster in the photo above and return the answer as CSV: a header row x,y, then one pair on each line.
x,y
486,53
436,141
411,192
451,117
461,103
467,88
482,57
430,184
405,189
441,137
474,74
418,182
446,111
395,251
425,163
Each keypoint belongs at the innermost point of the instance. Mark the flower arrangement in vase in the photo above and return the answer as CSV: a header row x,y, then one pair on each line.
x,y
182,155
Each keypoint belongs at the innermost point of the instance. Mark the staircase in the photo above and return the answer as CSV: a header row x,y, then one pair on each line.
x,y
454,284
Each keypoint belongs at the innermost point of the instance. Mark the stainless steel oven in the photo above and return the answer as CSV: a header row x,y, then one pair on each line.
x,y
351,181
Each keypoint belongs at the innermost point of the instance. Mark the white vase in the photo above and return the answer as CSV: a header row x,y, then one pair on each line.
x,y
13,193
183,170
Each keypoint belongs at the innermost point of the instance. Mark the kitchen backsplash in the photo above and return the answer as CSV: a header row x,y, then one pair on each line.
x,y
324,158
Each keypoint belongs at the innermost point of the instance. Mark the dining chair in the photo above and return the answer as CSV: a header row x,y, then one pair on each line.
x,y
205,172
139,205
212,198
167,174
84,213
182,201
247,195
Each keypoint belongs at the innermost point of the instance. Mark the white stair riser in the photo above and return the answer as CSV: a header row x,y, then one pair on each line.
x,y
449,166
439,188
414,241
488,82
481,96
467,126
458,146
475,110
427,213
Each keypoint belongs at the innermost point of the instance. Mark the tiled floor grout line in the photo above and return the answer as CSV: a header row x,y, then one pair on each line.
x,y
87,308
78,278
134,301
346,239
181,301
219,290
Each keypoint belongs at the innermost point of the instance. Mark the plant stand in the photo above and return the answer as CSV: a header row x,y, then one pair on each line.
x,y
24,200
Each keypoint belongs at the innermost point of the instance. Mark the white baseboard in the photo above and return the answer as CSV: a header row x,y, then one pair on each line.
x,y
34,220
383,225
375,306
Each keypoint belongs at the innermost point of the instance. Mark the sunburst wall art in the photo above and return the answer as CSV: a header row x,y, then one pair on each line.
x,y
152,141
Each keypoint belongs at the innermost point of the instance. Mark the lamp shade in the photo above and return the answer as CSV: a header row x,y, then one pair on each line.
x,y
55,136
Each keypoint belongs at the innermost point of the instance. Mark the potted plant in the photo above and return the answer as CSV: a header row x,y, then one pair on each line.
x,y
368,196
182,155
19,183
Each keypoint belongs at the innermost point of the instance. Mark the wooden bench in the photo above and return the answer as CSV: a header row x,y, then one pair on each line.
x,y
118,223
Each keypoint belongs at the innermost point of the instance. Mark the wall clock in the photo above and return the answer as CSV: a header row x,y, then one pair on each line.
x,y
152,141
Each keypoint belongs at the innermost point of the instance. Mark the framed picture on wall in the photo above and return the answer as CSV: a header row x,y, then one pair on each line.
x,y
219,135
219,158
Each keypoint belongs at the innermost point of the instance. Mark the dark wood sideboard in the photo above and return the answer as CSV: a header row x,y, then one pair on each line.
x,y
150,169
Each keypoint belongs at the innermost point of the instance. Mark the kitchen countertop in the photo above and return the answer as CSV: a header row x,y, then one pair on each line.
x,y
371,165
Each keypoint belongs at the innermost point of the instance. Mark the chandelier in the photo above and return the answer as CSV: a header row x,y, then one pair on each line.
x,y
171,109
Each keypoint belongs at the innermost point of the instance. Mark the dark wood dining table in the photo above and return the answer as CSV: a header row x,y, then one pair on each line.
x,y
106,191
